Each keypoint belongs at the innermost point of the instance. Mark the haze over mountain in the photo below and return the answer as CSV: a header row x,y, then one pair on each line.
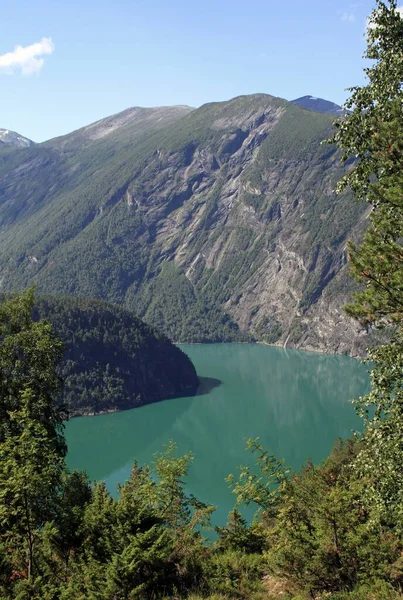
x,y
217,223
318,105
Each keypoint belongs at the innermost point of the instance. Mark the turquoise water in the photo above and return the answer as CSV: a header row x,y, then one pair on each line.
x,y
296,402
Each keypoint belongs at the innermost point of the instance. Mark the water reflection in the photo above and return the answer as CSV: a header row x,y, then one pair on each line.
x,y
296,402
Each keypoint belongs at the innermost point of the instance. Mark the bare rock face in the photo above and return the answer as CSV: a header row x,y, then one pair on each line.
x,y
214,224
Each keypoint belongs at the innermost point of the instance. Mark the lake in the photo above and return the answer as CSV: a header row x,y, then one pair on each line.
x,y
296,402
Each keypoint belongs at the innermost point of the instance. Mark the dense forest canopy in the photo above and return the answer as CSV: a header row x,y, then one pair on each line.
x,y
112,360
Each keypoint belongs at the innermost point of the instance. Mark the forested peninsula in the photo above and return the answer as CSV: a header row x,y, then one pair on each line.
x,y
112,360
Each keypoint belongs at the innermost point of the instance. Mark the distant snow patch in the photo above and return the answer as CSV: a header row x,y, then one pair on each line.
x,y
11,138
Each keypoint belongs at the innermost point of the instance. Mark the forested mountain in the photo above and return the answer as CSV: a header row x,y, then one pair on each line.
x,y
217,223
112,360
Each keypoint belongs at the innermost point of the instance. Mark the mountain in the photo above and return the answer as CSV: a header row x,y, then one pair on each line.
x,y
113,360
213,224
318,105
11,138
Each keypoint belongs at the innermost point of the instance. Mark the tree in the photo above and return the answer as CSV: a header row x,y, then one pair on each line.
x,y
374,103
373,134
239,536
66,534
264,487
321,539
377,262
29,357
32,447
146,544
30,474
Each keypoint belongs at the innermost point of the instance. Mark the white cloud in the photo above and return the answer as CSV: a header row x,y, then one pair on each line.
x,y
28,59
349,17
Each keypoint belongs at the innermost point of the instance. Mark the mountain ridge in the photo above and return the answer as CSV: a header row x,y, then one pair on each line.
x,y
12,138
217,224
308,102
319,105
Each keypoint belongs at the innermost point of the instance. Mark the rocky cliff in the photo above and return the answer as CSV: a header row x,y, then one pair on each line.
x,y
219,223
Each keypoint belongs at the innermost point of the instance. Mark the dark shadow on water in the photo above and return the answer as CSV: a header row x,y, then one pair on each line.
x,y
206,385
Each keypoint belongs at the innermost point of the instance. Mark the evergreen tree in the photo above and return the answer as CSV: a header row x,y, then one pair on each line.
x,y
32,447
29,356
373,134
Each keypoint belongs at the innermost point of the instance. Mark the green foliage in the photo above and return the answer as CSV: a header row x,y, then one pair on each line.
x,y
374,104
298,136
145,544
113,360
323,539
32,447
171,303
373,133
316,529
30,472
237,535
29,356
263,487
382,445
236,575
378,591
377,261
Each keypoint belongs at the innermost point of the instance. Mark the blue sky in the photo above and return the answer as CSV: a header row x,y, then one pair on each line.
x,y
80,61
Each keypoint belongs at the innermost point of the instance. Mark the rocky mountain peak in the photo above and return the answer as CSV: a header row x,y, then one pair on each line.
x,y
12,138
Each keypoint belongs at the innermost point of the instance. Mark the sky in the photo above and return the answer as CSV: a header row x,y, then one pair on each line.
x,y
66,63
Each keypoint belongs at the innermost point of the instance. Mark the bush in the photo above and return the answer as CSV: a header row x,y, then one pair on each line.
x,y
236,574
380,590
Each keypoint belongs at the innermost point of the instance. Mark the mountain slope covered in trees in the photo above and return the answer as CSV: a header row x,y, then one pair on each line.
x,y
214,224
112,360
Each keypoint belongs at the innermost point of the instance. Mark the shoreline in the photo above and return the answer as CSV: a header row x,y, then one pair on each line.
x,y
261,343
280,346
